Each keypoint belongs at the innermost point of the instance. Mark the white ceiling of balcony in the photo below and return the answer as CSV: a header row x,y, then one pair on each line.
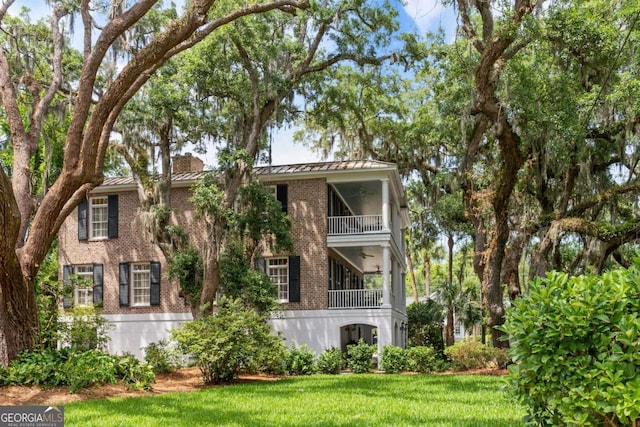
x,y
363,198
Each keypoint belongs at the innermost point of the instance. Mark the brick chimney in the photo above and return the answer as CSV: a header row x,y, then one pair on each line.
x,y
186,163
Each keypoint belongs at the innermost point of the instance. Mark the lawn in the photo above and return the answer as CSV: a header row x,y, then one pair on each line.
x,y
342,400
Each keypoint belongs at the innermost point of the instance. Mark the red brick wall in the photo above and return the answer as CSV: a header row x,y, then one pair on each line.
x,y
130,246
307,207
307,201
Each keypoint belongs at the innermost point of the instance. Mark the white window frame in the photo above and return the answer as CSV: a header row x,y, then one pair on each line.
x,y
278,272
83,296
140,284
98,218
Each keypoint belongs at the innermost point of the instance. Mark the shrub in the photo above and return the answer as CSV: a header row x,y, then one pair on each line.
x,y
394,359
421,359
76,369
330,361
162,357
85,329
475,355
426,321
227,342
360,357
89,367
135,374
300,361
574,341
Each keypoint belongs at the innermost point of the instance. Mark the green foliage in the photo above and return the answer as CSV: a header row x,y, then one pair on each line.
x,y
76,369
574,341
426,320
48,292
475,355
135,374
227,342
238,280
85,329
330,361
162,356
394,359
421,359
90,367
300,361
186,266
360,357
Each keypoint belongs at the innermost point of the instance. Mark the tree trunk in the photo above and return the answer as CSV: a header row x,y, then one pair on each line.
x,y
412,274
449,336
427,275
17,290
511,265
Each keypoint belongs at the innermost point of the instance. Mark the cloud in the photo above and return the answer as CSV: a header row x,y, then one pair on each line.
x,y
429,15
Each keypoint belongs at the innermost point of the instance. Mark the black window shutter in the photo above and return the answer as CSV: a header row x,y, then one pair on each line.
x,y
124,283
260,264
294,279
67,271
154,291
281,195
112,225
98,279
82,220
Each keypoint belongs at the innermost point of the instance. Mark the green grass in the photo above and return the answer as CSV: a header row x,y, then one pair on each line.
x,y
342,400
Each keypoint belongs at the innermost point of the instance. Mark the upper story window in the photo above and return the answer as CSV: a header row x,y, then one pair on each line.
x,y
98,218
278,271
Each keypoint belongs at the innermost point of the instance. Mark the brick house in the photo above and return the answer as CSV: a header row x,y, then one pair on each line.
x,y
344,280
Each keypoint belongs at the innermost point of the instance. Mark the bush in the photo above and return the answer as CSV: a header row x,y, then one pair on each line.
x,y
421,359
360,357
90,367
475,355
135,374
426,322
162,357
330,361
300,361
85,329
574,341
394,359
227,342
76,369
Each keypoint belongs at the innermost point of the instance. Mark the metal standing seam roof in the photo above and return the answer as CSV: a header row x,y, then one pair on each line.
x,y
300,168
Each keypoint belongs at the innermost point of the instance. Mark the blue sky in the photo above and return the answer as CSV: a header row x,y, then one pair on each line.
x,y
417,16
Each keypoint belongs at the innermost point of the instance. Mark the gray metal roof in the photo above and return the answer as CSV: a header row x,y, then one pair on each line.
x,y
301,168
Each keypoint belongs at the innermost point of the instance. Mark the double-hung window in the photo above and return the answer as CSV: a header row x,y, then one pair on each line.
x,y
140,284
99,217
278,271
83,289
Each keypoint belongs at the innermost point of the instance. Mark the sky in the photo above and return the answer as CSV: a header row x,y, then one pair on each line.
x,y
418,16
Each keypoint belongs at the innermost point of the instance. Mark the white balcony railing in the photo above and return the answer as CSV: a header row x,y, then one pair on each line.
x,y
355,224
355,298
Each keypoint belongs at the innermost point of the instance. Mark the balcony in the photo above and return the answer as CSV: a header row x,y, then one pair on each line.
x,y
354,224
355,298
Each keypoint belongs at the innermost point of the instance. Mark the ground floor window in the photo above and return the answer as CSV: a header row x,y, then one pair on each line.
x,y
140,284
278,271
83,286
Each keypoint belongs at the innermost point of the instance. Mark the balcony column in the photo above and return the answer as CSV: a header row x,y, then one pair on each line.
x,y
386,286
386,226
